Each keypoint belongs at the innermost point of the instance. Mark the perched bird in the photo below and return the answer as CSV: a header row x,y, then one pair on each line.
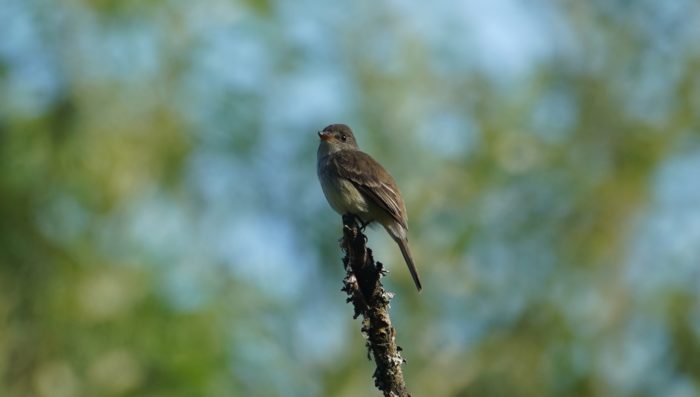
x,y
354,183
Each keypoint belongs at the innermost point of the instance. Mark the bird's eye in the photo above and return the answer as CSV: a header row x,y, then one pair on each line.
x,y
343,137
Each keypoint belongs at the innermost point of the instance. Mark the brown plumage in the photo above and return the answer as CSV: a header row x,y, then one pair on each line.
x,y
353,182
379,187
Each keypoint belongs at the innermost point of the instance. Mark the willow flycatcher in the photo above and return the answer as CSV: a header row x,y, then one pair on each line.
x,y
354,183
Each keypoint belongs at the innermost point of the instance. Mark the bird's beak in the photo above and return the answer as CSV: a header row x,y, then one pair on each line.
x,y
324,135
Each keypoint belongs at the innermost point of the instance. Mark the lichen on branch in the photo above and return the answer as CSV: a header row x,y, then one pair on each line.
x,y
369,299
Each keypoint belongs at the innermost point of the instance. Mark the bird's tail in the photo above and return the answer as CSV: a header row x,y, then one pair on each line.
x,y
403,245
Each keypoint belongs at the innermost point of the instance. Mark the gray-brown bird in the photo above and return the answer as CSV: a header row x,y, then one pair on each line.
x,y
355,183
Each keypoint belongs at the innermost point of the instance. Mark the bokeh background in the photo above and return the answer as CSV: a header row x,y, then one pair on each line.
x,y
162,231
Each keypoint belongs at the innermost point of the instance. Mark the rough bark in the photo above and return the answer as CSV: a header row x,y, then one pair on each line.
x,y
370,300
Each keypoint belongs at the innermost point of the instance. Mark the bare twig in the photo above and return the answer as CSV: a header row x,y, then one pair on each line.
x,y
365,291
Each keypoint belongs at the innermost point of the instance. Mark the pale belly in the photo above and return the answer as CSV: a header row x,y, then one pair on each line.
x,y
344,197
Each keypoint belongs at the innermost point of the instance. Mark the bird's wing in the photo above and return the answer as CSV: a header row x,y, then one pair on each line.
x,y
377,186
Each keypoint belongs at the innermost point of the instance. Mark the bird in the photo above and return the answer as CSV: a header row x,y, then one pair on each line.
x,y
355,183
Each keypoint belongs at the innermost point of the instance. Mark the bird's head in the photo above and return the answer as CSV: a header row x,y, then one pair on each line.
x,y
337,137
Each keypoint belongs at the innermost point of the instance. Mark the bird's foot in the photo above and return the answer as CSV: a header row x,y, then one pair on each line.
x,y
356,220
363,225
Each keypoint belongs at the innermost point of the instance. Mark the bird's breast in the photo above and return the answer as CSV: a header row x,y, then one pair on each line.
x,y
342,195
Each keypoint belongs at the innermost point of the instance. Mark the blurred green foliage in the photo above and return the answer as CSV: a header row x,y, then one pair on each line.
x,y
163,233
